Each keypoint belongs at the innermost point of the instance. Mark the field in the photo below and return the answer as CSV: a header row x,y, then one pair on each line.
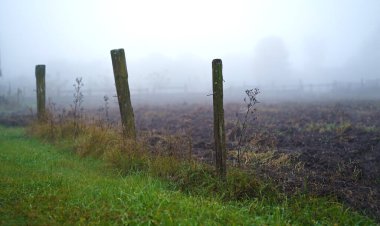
x,y
45,185
319,149
327,148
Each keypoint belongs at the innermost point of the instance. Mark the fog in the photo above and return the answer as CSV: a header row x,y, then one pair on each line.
x,y
170,44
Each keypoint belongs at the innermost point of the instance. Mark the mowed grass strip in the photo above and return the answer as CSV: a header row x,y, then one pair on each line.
x,y
42,185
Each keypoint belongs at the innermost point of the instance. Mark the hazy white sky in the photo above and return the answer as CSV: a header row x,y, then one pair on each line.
x,y
37,31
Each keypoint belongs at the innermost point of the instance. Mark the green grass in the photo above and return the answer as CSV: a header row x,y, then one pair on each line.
x,y
41,184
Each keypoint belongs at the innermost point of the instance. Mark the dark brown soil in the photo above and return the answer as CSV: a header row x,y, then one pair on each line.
x,y
15,119
332,149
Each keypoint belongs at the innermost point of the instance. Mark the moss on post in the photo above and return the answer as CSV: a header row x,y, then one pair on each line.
x,y
219,133
123,94
41,93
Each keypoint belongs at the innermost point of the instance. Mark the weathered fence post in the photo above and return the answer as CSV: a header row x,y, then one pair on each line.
x,y
41,93
219,133
123,94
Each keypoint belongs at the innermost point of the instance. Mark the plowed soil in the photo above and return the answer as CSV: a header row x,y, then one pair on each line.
x,y
325,148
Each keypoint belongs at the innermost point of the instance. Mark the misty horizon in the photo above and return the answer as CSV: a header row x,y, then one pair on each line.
x,y
171,44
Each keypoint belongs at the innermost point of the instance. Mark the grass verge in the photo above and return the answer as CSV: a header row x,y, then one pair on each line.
x,y
41,184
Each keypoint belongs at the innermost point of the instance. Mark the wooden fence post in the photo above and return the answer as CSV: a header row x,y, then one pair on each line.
x,y
41,91
123,94
219,133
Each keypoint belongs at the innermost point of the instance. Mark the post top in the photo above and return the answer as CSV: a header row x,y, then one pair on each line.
x,y
40,66
216,61
117,51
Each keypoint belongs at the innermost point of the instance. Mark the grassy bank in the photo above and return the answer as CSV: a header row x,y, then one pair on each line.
x,y
46,185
